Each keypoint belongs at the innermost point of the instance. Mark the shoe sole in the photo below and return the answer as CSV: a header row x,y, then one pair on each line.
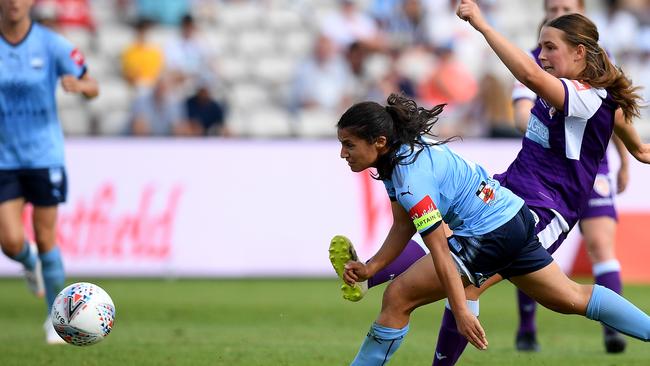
x,y
341,251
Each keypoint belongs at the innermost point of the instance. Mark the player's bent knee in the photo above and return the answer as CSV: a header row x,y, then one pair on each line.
x,y
12,246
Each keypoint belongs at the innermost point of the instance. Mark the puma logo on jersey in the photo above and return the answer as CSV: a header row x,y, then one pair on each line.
x,y
408,191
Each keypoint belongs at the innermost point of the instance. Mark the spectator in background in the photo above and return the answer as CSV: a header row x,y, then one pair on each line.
x,y
69,15
141,61
490,114
348,25
323,80
449,82
205,114
618,29
187,57
158,113
168,12
407,26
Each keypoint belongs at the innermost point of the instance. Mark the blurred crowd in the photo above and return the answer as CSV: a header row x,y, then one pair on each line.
x,y
288,68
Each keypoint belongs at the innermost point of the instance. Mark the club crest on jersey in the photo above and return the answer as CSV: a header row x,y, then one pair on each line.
x,y
485,192
425,214
77,57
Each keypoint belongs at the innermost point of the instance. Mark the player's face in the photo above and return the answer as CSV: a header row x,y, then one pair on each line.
x,y
15,10
557,57
359,153
557,8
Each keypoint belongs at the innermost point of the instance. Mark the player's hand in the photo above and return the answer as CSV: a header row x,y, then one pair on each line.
x,y
71,84
622,178
469,326
469,11
355,272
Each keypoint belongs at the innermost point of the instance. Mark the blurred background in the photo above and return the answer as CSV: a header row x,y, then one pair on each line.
x,y
288,68
211,150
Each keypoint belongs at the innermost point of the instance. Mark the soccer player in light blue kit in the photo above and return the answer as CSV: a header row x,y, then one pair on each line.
x,y
494,232
32,60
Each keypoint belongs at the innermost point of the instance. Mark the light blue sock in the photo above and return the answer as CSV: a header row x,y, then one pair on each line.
x,y
53,275
614,311
26,257
380,344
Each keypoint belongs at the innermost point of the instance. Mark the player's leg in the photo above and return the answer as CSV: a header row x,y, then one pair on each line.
x,y
554,290
599,235
341,251
418,286
551,235
46,189
13,241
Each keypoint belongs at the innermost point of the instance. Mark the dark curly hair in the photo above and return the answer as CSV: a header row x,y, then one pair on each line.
x,y
401,121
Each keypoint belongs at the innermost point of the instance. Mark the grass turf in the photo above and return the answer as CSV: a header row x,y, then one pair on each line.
x,y
285,322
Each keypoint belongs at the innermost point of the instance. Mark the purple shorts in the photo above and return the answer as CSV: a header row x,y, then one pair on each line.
x,y
601,200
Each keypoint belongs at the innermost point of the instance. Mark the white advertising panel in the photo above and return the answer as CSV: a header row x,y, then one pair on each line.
x,y
232,207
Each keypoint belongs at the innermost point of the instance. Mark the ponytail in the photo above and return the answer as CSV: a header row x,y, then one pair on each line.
x,y
401,122
410,124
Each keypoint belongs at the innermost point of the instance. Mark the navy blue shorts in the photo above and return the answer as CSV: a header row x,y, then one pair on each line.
x,y
40,187
510,250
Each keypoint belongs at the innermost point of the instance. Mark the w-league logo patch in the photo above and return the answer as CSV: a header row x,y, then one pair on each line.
x,y
77,57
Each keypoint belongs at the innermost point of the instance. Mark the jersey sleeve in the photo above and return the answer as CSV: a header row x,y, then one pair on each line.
x,y
418,196
581,100
69,60
390,189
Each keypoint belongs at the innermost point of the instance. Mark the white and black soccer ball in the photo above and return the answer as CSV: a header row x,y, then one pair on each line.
x,y
83,314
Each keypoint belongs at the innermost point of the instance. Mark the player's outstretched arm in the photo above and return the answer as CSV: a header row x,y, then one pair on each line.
x,y
522,66
631,139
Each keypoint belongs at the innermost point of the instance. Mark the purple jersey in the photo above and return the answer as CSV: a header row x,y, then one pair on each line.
x,y
562,151
520,91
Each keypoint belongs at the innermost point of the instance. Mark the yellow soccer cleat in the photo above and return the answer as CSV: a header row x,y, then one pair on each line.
x,y
341,251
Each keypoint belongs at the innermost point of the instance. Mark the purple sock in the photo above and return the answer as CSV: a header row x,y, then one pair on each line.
x,y
451,344
527,308
607,274
411,253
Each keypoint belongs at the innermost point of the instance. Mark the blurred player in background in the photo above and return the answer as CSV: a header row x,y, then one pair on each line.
x,y
598,220
494,232
32,60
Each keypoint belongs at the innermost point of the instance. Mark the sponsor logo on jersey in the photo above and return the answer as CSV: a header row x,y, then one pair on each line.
x,y
77,57
537,131
425,214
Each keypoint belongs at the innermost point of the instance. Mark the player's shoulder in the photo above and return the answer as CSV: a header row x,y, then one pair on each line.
x,y
583,89
48,35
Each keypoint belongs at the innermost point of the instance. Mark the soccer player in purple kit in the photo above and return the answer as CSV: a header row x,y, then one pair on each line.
x,y
567,136
32,60
597,221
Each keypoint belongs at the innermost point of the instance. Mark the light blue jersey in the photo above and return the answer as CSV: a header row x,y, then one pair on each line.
x,y
440,185
30,132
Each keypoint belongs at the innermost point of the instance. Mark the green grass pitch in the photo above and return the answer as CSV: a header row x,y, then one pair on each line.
x,y
284,322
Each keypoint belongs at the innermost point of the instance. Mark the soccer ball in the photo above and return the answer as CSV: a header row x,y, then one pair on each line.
x,y
83,314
